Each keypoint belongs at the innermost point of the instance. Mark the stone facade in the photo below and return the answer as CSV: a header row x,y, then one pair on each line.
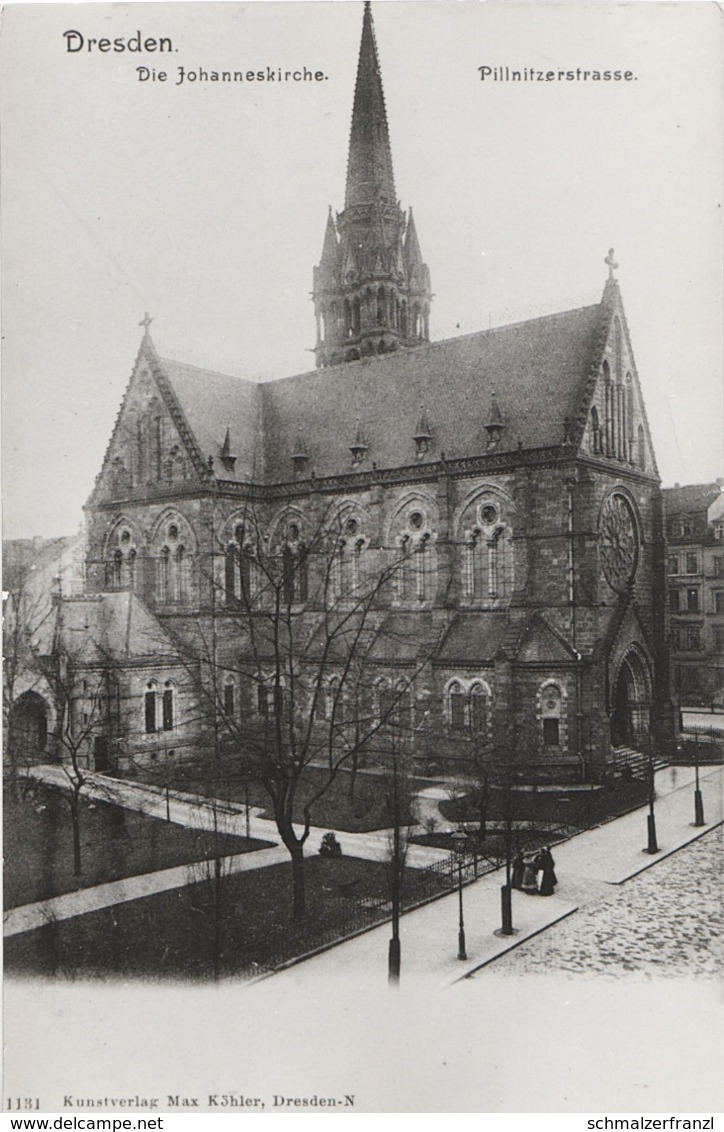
x,y
503,484
695,569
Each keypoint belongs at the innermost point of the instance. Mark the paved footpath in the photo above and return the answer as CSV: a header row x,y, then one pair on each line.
x,y
194,812
587,866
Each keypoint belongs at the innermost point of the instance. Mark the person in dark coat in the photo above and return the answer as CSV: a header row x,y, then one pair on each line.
x,y
549,880
516,878
529,883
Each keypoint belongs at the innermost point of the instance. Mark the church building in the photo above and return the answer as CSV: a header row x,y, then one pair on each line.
x,y
510,472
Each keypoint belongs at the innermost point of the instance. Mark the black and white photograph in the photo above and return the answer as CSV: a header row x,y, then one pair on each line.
x,y
363,557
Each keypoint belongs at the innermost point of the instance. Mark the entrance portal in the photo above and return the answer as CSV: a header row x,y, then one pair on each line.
x,y
631,703
29,731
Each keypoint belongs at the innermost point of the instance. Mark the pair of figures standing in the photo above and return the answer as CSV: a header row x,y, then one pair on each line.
x,y
526,869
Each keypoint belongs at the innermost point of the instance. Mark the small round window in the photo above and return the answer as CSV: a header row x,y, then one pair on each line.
x,y
488,514
125,537
173,531
351,527
416,520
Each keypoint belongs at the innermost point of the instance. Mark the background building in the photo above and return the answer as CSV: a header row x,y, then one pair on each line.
x,y
695,535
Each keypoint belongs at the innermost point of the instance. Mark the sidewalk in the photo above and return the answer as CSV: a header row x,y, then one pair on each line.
x,y
196,811
609,854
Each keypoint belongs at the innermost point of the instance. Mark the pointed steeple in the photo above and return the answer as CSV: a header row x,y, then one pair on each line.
x,y
423,433
300,454
330,250
369,169
371,287
359,445
228,459
495,423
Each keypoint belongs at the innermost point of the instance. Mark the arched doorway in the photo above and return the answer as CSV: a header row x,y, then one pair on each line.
x,y
631,702
29,732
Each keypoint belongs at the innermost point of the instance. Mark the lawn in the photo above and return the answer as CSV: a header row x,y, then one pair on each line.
x,y
580,808
116,843
178,934
353,804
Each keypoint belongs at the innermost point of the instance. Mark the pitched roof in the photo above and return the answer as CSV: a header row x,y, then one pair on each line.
x,y
214,403
537,368
115,627
474,638
690,497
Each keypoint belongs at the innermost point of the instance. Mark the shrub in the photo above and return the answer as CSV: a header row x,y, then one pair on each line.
x,y
330,846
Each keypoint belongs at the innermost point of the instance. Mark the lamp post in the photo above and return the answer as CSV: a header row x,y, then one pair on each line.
x,y
506,889
393,954
652,846
459,840
698,800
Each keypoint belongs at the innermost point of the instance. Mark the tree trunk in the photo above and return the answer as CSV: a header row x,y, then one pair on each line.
x,y
217,915
75,820
299,901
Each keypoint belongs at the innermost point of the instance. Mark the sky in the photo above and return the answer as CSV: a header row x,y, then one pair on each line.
x,y
205,204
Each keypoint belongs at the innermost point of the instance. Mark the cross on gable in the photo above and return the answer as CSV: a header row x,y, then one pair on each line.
x,y
612,265
146,321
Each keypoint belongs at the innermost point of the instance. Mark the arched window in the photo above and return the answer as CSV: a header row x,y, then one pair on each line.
x,y
403,711
229,697
117,575
168,706
162,586
288,575
131,569
478,709
457,707
551,715
149,708
231,560
618,347
423,567
607,446
595,431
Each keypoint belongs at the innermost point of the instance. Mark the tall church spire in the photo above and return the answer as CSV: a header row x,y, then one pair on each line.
x,y
369,169
371,288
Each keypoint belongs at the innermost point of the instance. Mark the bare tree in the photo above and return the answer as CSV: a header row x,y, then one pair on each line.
x,y
27,613
83,685
309,645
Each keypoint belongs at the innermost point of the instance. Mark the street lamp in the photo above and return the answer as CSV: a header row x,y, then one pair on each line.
x,y
506,889
459,841
393,953
698,800
652,846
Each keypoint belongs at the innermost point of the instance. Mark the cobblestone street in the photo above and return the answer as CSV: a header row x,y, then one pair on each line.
x,y
666,921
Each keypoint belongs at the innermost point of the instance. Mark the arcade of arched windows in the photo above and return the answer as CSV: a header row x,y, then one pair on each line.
x,y
467,707
347,571
241,569
612,423
374,308
121,559
159,707
416,565
393,708
487,566
172,550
